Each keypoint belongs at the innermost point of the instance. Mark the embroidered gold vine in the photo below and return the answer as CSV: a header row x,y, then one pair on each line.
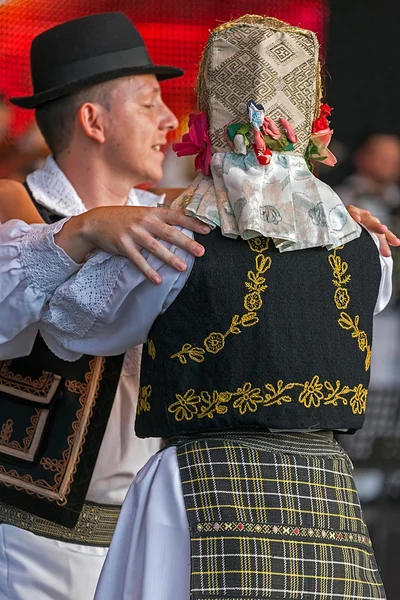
x,y
342,301
252,303
151,349
314,393
143,400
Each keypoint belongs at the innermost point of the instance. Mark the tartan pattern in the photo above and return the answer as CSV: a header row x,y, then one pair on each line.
x,y
283,524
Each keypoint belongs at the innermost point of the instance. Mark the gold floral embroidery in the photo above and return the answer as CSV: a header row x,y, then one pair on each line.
x,y
151,349
314,393
255,284
342,301
248,399
143,400
186,406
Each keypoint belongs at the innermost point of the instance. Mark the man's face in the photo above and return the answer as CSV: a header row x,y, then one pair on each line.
x,y
137,128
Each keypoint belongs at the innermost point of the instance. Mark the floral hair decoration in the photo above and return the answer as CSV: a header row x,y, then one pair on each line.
x,y
196,141
266,138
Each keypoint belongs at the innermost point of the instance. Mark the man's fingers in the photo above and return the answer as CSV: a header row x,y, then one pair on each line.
x,y
391,238
137,259
157,249
177,217
176,238
383,245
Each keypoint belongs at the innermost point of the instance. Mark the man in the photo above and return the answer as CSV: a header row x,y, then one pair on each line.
x,y
99,165
105,123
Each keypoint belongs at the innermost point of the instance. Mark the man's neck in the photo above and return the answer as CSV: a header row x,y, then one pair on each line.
x,y
93,182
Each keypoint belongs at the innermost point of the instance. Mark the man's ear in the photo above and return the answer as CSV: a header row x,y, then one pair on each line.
x,y
92,118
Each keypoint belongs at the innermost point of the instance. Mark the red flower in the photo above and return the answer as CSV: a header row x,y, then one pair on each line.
x,y
322,122
263,156
325,110
196,141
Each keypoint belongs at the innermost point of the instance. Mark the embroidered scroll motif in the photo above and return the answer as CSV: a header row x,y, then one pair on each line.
x,y
41,389
143,400
255,284
65,468
314,393
342,301
8,427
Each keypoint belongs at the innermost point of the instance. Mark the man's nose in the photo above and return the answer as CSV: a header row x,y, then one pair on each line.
x,y
170,121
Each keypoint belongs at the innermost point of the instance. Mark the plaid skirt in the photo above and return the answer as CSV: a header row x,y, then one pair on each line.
x,y
275,516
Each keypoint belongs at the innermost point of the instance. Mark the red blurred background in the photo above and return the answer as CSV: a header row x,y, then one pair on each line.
x,y
175,33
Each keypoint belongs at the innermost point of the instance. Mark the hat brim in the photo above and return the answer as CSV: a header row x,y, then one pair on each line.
x,y
160,71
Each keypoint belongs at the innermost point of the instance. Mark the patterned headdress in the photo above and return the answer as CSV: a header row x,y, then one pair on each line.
x,y
260,124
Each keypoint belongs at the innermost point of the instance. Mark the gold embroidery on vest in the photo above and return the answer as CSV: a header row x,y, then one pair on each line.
x,y
252,303
342,301
6,431
143,399
8,428
65,472
314,393
151,349
88,393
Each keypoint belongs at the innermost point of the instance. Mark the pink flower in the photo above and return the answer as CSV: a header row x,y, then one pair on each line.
x,y
290,133
322,139
269,128
259,141
196,141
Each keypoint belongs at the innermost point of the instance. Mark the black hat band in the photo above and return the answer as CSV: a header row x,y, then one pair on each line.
x,y
89,67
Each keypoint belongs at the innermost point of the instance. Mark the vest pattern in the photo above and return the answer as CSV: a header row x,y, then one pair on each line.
x,y
262,339
53,416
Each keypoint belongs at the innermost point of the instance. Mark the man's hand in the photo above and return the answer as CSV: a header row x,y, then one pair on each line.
x,y
386,237
126,230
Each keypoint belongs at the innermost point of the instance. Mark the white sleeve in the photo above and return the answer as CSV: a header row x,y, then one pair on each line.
x,y
109,306
31,268
385,288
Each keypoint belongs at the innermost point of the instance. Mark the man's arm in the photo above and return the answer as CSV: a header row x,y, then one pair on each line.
x,y
124,230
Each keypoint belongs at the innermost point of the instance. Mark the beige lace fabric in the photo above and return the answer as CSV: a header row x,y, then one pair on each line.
x,y
275,65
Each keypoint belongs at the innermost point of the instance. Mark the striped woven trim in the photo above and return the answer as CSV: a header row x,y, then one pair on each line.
x,y
95,526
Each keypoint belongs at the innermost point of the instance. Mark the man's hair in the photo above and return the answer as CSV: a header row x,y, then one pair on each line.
x,y
56,119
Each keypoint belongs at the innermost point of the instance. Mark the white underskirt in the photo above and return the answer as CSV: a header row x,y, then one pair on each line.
x,y
149,557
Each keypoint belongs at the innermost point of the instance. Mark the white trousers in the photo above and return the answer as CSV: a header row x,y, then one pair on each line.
x,y
38,568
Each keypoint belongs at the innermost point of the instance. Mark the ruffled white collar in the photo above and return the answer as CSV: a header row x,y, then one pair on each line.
x,y
51,188
282,200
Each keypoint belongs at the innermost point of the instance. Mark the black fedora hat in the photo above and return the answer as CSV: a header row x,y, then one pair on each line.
x,y
86,51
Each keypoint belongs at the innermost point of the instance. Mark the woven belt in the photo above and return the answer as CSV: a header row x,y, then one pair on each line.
x,y
95,526
319,443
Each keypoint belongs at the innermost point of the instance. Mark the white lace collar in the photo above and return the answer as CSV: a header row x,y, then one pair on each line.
x,y
51,188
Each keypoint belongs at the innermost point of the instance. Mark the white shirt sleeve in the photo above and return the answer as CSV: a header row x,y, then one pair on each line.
x,y
385,288
31,268
108,306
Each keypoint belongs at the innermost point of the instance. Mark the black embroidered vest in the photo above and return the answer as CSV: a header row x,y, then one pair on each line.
x,y
260,339
53,416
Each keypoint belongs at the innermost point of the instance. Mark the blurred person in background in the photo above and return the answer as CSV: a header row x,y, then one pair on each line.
x,y
374,183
